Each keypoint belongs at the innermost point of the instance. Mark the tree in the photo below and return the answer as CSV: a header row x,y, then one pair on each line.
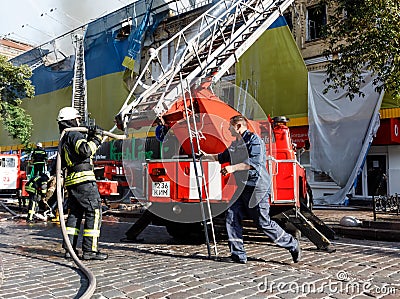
x,y
364,35
15,86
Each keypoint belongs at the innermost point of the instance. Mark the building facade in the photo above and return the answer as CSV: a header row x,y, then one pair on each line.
x,y
306,19
10,48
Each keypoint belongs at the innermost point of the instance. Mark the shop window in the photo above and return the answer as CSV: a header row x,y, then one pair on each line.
x,y
316,20
289,22
125,30
312,176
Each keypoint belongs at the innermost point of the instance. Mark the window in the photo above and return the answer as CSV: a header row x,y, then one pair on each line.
x,y
312,176
316,19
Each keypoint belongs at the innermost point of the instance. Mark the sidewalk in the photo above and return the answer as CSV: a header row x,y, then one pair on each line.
x,y
386,227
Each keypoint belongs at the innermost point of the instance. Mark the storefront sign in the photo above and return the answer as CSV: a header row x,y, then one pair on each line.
x,y
388,132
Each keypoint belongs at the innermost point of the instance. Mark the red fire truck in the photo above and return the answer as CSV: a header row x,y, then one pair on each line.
x,y
12,178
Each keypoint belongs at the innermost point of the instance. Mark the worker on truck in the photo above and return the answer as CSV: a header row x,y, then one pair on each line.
x,y
36,187
247,158
39,159
77,151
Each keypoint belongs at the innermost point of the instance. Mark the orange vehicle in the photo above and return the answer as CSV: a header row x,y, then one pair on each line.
x,y
169,184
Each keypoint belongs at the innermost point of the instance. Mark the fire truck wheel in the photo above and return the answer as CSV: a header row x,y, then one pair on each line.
x,y
307,200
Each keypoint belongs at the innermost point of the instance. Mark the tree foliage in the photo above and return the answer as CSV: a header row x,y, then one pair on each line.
x,y
364,35
15,86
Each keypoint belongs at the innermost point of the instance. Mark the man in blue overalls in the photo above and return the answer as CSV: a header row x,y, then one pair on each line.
x,y
36,187
247,157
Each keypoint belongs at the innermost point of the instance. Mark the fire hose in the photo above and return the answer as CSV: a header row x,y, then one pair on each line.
x,y
86,271
8,209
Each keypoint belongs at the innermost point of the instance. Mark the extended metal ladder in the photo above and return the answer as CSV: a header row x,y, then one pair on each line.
x,y
79,89
206,48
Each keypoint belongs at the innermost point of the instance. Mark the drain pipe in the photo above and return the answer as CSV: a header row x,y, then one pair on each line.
x,y
92,279
8,209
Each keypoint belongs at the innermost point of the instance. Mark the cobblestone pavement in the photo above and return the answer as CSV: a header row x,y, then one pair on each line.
x,y
32,266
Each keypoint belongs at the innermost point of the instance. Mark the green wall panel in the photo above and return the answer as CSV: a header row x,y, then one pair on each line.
x,y
276,74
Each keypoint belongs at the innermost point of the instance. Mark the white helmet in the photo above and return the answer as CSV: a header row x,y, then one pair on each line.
x,y
68,113
39,144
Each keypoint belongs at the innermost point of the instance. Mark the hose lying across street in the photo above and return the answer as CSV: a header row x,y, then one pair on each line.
x,y
92,279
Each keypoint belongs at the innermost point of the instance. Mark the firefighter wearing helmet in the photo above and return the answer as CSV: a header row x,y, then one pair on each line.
x,y
36,187
77,150
247,158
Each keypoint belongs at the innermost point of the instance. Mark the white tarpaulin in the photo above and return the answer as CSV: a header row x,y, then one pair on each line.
x,y
340,131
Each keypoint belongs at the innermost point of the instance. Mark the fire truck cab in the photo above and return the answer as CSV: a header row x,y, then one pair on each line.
x,y
11,176
177,185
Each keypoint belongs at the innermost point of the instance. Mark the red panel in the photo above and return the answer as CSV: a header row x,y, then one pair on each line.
x,y
394,130
23,192
169,176
183,174
107,188
285,182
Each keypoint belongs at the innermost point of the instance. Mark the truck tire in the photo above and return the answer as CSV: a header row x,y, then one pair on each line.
x,y
307,199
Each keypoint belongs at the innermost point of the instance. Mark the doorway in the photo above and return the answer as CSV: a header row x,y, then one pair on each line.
x,y
376,175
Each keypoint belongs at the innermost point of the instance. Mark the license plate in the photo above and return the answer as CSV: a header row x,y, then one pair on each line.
x,y
160,189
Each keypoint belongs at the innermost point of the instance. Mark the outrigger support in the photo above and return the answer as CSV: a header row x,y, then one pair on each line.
x,y
307,225
134,231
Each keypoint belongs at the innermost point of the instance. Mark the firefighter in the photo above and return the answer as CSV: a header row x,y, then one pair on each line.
x,y
39,159
77,151
247,157
36,187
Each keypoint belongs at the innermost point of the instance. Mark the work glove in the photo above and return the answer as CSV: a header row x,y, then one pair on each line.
x,y
95,134
94,130
199,155
36,198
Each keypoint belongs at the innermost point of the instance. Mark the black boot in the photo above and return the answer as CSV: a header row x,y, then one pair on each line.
x,y
93,255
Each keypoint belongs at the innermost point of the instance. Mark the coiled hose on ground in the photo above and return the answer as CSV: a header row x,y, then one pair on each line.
x,y
92,279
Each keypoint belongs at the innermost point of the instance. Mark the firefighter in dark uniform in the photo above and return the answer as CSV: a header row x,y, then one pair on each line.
x,y
39,159
247,158
77,150
36,187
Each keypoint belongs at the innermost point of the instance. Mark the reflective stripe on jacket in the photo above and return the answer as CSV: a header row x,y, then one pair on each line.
x,y
37,185
77,157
